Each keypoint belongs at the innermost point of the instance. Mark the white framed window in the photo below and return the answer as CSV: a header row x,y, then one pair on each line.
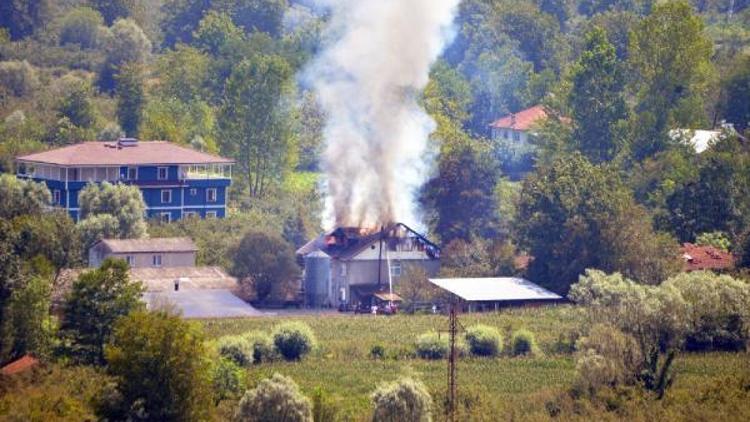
x,y
166,196
395,268
516,136
156,260
162,173
506,134
343,270
165,217
193,191
130,260
132,173
211,214
56,197
211,195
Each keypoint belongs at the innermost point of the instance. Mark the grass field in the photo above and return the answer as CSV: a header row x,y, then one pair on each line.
x,y
503,388
343,368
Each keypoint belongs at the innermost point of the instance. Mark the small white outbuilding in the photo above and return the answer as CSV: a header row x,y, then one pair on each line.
x,y
496,292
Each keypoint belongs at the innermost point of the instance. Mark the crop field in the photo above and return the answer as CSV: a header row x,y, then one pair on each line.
x,y
343,369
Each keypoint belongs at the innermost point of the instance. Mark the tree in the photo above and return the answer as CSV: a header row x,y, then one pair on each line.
x,y
671,56
181,18
119,208
130,98
655,316
461,195
18,78
413,286
113,10
10,280
162,369
735,108
52,235
34,329
75,102
96,300
82,26
183,74
127,44
257,15
596,100
22,197
266,261
574,215
215,31
23,17
254,120
404,400
276,399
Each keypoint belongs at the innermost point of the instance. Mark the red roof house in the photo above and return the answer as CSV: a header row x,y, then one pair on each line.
x,y
19,365
699,258
523,120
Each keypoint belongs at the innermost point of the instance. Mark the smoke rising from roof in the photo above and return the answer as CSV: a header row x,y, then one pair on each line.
x,y
368,80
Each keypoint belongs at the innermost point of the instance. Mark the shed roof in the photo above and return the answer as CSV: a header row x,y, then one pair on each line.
x,y
699,258
114,154
157,244
494,289
19,365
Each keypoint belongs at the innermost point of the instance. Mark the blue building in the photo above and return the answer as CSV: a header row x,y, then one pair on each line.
x,y
176,181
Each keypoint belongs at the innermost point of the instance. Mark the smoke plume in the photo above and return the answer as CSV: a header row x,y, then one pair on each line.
x,y
368,80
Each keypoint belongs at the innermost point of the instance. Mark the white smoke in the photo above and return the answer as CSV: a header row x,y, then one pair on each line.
x,y
368,80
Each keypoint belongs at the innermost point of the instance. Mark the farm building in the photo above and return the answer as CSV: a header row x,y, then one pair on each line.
x,y
353,266
700,258
487,294
146,253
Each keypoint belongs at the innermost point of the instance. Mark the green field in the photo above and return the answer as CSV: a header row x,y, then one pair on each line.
x,y
503,388
490,387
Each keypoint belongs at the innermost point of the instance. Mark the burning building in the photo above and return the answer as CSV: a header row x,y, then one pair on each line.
x,y
352,266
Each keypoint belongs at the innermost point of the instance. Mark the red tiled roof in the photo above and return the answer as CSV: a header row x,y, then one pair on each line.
x,y
109,154
699,258
523,120
19,365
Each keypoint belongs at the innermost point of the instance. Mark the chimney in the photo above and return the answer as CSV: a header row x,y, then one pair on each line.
x,y
127,142
512,119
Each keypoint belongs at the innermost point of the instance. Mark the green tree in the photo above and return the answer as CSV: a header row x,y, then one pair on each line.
x,y
267,262
671,56
122,204
34,328
181,18
22,197
76,102
403,400
95,301
112,10
597,101
735,107
127,44
461,195
162,370
23,17
254,120
52,235
183,74
130,98
574,215
10,280
215,31
274,399
257,15
82,26
18,78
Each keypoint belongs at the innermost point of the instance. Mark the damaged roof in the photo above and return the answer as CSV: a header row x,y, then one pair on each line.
x,y
347,242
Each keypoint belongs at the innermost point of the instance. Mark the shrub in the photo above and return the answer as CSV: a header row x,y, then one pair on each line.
x,y
523,343
237,349
405,400
377,351
81,26
228,379
293,340
432,346
18,78
718,240
607,357
262,344
483,340
274,399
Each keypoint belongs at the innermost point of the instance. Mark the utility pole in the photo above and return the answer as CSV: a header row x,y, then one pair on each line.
x,y
453,328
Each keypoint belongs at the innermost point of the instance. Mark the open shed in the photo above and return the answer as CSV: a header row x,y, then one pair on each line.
x,y
484,294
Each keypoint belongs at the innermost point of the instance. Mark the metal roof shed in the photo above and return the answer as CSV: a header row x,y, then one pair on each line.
x,y
496,292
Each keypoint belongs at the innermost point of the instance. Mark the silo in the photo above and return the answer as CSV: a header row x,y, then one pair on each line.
x,y
317,279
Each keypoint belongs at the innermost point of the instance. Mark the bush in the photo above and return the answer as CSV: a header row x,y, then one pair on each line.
x,y
405,400
607,357
483,340
81,26
18,78
718,240
523,343
432,346
262,344
237,349
293,340
228,379
274,399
